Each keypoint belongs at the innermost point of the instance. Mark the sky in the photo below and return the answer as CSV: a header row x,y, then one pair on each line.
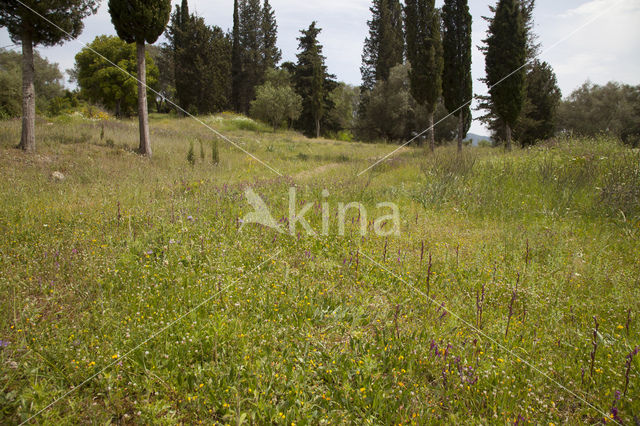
x,y
596,40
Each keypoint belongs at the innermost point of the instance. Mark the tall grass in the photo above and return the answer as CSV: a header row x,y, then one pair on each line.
x,y
529,246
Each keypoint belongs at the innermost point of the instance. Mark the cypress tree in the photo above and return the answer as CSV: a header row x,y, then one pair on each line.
x,y
179,40
384,46
424,51
457,85
491,118
504,63
312,82
271,55
184,13
236,60
26,26
538,121
251,50
203,64
140,22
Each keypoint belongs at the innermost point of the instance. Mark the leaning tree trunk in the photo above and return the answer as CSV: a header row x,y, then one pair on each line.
x,y
28,139
432,134
508,142
460,130
143,114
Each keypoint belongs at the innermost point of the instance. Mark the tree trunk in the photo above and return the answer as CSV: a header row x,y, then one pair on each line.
x,y
143,114
317,128
28,139
432,135
118,108
460,130
508,141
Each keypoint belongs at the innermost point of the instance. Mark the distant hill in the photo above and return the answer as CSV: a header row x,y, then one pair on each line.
x,y
475,139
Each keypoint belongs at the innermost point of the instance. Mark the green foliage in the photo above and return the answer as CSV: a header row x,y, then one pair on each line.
x,y
163,57
139,21
391,113
505,57
66,14
388,106
539,118
424,52
344,99
250,36
612,108
236,60
48,83
312,82
384,46
191,155
276,104
202,63
254,51
457,85
271,55
104,83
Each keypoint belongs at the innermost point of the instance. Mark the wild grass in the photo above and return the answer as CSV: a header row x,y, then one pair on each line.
x,y
538,241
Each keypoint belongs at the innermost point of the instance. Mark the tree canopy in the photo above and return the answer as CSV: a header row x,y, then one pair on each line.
x,y
48,83
505,59
424,51
457,84
102,82
312,81
202,63
384,46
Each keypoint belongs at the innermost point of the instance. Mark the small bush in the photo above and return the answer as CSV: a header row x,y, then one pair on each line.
x,y
191,156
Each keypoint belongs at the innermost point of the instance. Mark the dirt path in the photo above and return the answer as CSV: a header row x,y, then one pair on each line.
x,y
317,171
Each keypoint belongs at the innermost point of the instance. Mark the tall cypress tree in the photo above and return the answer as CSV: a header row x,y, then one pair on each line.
x,y
312,82
178,34
490,117
236,60
251,44
384,46
424,51
140,22
504,63
27,27
202,63
271,55
457,84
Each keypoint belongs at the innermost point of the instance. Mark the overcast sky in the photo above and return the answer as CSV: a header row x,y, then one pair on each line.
x,y
607,48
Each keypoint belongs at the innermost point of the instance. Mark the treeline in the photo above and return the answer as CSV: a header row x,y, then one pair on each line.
x,y
202,69
434,45
416,73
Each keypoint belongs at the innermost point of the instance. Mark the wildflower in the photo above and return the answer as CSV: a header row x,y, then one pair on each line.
x,y
114,356
4,344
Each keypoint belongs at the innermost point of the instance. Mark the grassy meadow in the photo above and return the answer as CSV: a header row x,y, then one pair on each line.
x,y
511,295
